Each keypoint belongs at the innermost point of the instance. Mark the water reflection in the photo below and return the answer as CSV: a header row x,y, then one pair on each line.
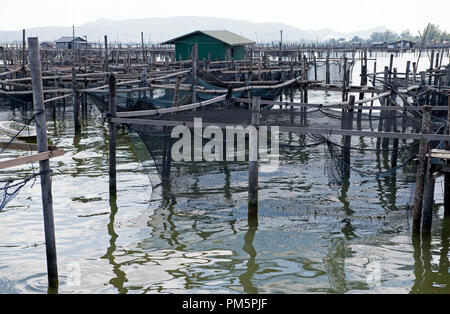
x,y
120,276
335,265
252,267
431,278
169,204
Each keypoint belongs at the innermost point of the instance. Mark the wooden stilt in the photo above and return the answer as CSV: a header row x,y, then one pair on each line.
x,y
253,158
112,134
194,72
24,57
428,197
106,55
76,103
44,165
447,175
176,93
420,180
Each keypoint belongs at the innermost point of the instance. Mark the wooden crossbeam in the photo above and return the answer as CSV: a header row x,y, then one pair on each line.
x,y
293,129
24,146
338,105
439,153
170,110
57,98
30,159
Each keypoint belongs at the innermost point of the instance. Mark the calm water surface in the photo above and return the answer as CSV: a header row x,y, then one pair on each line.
x,y
147,242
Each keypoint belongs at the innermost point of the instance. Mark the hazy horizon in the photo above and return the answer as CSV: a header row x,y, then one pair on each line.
x,y
347,16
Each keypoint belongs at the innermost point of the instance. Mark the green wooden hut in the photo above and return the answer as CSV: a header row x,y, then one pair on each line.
x,y
216,45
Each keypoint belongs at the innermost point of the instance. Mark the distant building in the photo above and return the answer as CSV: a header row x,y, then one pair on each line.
x,y
213,45
401,44
71,42
378,44
47,45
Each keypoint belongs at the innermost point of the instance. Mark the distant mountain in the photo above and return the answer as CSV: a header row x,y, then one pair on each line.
x,y
161,29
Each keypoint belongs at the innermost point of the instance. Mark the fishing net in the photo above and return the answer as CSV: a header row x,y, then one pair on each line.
x,y
321,174
318,70
10,189
163,98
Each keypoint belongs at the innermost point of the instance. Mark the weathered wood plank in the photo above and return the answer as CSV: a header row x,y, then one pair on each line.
x,y
30,159
23,146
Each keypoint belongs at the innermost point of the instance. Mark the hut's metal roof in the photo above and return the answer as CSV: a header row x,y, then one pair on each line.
x,y
68,39
227,37
47,43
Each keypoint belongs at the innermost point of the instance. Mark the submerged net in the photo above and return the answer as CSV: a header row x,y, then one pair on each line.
x,y
314,173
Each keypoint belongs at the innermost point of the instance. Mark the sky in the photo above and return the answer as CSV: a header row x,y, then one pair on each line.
x,y
343,15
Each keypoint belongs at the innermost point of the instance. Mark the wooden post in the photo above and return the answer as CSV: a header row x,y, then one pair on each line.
x,y
5,60
391,66
291,94
112,134
250,74
344,82
428,196
414,73
408,66
85,104
305,78
143,47
363,75
194,72
280,56
374,79
176,93
73,46
253,158
383,102
389,115
55,84
315,68
393,123
327,69
420,179
24,60
44,166
106,55
76,103
431,68
447,175
364,82
348,125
